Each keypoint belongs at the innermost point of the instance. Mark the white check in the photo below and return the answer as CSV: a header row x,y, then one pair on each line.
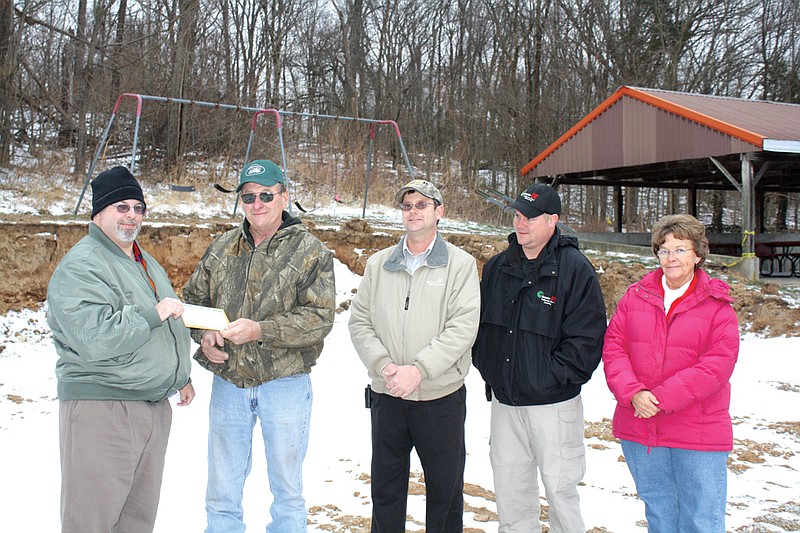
x,y
199,317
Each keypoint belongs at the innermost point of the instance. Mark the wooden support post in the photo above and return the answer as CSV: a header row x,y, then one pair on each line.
x,y
691,201
749,259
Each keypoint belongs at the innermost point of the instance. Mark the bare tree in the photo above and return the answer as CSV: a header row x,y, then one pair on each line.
x,y
80,88
281,17
183,58
119,42
8,65
351,25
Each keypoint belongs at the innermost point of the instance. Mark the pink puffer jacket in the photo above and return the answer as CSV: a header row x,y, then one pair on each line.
x,y
686,363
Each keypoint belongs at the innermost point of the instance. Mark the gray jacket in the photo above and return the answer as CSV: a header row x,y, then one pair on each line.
x,y
429,319
110,341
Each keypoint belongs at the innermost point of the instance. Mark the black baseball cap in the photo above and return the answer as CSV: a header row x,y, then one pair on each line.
x,y
538,199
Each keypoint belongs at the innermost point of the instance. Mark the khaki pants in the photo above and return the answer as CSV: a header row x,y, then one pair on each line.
x,y
112,461
531,441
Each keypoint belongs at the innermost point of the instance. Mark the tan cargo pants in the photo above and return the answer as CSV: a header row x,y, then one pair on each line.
x,y
531,441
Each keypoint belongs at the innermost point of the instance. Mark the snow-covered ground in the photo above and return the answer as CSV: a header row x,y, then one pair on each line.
x,y
764,483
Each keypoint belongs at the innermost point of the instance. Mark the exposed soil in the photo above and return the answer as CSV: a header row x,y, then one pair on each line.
x,y
31,249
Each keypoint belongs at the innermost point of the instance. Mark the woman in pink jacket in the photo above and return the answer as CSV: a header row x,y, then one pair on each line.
x,y
669,353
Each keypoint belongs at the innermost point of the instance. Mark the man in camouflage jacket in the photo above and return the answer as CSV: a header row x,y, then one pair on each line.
x,y
274,280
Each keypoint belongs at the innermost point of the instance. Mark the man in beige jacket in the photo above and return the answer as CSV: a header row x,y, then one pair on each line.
x,y
413,323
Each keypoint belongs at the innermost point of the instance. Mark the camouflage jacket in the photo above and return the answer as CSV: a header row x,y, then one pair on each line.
x,y
285,283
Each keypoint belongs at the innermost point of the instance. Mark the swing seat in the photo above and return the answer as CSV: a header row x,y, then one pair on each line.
x,y
182,188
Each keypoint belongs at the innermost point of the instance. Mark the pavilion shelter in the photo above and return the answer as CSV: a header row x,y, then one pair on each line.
x,y
643,137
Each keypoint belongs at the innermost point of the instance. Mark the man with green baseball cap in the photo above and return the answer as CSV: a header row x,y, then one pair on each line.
x,y
274,279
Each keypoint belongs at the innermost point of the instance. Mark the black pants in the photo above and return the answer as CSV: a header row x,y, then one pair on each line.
x,y
436,429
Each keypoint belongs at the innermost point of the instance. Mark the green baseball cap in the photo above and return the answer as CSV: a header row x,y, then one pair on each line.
x,y
260,171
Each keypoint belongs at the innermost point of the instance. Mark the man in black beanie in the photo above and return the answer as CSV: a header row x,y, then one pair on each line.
x,y
123,350
112,186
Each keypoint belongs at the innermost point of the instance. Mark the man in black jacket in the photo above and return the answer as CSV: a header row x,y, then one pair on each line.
x,y
540,338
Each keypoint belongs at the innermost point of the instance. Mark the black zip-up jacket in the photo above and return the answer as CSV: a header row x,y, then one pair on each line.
x,y
542,323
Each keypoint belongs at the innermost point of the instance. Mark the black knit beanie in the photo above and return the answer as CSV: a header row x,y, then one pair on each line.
x,y
114,185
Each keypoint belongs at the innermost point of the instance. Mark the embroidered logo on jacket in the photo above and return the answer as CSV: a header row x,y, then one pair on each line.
x,y
547,300
438,282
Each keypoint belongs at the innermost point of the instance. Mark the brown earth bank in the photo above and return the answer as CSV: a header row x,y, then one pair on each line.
x,y
30,249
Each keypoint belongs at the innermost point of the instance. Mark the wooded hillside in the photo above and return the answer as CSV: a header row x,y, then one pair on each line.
x,y
477,86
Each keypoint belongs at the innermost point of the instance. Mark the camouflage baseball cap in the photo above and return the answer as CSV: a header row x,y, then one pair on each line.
x,y
425,188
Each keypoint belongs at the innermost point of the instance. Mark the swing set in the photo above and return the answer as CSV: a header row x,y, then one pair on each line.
x,y
257,113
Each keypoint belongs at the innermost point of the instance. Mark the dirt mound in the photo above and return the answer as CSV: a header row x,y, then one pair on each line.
x,y
354,242
759,307
762,310
31,249
615,278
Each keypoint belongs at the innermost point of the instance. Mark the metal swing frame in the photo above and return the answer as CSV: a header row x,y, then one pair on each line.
x,y
257,112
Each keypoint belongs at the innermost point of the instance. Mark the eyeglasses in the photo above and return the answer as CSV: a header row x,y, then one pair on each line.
x,y
663,253
139,209
419,206
265,197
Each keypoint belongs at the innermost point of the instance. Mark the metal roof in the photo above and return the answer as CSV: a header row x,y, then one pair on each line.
x,y
655,138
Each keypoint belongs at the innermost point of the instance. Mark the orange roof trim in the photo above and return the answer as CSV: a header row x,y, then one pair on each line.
x,y
719,125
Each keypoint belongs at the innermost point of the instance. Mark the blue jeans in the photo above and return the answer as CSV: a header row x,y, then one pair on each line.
x,y
284,408
684,491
